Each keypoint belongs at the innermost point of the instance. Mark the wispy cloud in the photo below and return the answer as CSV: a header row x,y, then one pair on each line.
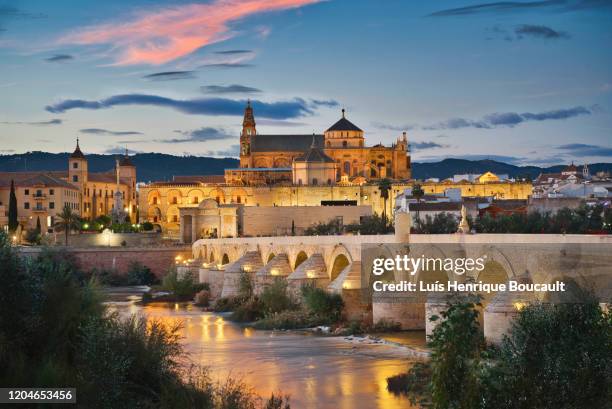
x,y
100,131
582,150
516,6
59,58
227,65
295,108
170,76
55,121
199,135
233,52
538,31
232,151
119,150
424,145
166,34
511,119
229,89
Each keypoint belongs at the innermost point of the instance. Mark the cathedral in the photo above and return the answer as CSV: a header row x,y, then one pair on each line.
x,y
339,155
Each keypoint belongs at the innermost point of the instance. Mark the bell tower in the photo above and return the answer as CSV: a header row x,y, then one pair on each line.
x,y
248,131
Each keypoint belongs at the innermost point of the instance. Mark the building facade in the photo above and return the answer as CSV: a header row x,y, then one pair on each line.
x,y
343,142
42,195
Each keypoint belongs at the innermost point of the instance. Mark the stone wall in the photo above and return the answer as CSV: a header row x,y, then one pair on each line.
x,y
276,221
158,259
108,239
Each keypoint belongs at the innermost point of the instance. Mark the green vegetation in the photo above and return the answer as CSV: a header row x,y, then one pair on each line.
x,y
276,309
556,356
441,223
582,220
182,288
55,331
384,185
13,223
139,274
374,224
67,221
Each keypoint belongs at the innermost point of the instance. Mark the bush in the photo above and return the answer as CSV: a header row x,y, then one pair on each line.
x,y
275,298
326,306
182,288
286,320
147,226
249,311
33,236
202,298
109,277
139,274
225,304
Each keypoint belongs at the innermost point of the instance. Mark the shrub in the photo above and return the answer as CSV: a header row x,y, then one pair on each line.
x,y
324,305
249,311
109,277
275,297
286,320
33,236
183,288
139,274
245,286
225,304
147,226
202,298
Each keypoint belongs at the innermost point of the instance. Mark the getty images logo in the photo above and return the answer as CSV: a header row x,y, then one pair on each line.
x,y
411,265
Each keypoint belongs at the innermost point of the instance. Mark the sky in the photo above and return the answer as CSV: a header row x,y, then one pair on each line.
x,y
524,82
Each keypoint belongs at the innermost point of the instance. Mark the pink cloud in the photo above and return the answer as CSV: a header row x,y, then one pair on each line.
x,y
171,33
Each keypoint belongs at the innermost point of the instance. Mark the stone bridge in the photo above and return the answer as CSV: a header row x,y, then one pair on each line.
x,y
334,263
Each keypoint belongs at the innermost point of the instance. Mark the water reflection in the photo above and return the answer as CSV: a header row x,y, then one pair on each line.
x,y
318,372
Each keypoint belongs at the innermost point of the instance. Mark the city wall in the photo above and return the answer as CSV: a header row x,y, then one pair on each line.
x,y
158,259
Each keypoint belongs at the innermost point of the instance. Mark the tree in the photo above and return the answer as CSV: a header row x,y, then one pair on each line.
x,y
417,193
68,220
384,185
13,223
38,228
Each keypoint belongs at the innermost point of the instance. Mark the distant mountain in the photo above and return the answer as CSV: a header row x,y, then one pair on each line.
x,y
449,167
149,166
160,166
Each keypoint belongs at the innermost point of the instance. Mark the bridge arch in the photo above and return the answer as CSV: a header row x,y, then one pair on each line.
x,y
225,259
300,257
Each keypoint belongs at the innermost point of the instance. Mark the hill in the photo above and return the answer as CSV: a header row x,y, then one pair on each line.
x,y
160,166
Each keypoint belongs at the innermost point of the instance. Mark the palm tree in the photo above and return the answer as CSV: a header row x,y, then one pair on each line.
x,y
384,185
417,193
68,220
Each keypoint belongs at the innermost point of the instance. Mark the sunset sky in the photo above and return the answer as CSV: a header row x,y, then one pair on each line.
x,y
526,82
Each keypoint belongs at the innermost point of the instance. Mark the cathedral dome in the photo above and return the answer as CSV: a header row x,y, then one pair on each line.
x,y
344,124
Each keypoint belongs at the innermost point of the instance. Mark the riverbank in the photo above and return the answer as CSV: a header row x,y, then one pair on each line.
x,y
316,371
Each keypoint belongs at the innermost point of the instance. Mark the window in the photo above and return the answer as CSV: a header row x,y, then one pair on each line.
x,y
75,165
195,200
75,178
315,181
52,192
344,144
39,193
26,205
51,205
238,199
174,200
155,200
175,218
26,192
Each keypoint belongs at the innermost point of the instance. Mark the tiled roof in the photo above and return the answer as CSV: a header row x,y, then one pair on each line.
x,y
314,154
343,124
286,143
34,178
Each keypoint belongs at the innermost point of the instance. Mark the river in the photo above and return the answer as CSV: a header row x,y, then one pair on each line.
x,y
315,371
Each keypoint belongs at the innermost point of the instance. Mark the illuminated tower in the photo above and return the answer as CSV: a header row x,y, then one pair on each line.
x,y
248,131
